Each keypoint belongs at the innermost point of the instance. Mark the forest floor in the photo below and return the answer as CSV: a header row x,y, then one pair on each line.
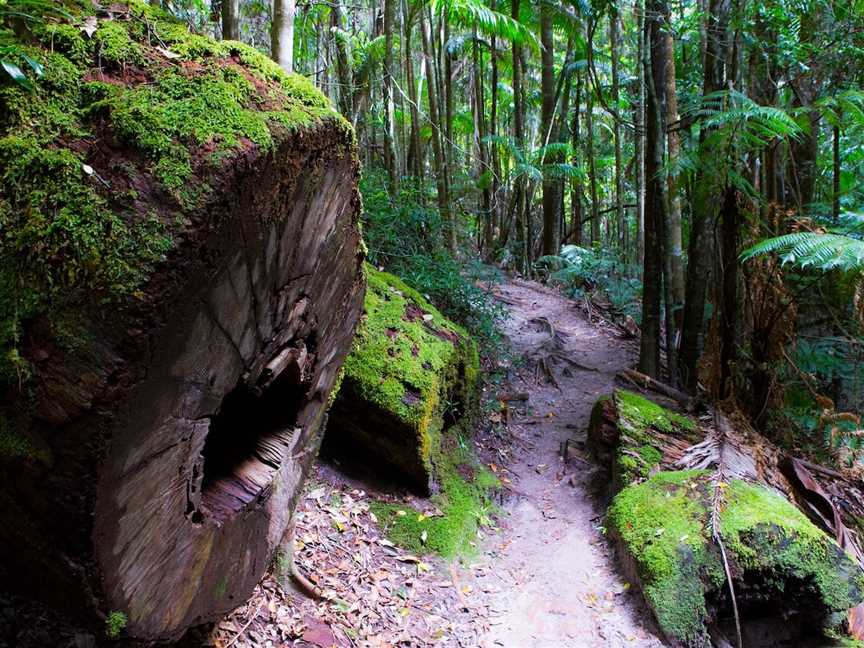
x,y
544,578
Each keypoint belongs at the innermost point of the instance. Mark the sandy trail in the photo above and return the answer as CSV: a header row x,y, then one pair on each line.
x,y
548,577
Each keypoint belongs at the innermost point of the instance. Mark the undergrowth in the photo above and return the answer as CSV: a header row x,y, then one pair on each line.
x,y
407,238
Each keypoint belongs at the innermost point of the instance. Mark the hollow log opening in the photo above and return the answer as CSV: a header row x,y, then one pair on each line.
x,y
773,612
249,436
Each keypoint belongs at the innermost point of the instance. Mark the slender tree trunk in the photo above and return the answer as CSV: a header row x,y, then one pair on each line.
x,y
390,161
519,136
655,197
282,34
835,198
547,117
676,280
592,169
493,131
562,134
639,135
438,154
230,19
480,143
619,179
343,62
576,183
704,208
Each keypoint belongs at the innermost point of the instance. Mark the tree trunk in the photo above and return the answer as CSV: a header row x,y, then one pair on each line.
x,y
230,19
674,238
343,63
592,170
493,132
547,117
390,162
576,183
282,34
174,439
655,198
519,136
485,220
638,134
616,125
437,150
704,205
835,198
415,151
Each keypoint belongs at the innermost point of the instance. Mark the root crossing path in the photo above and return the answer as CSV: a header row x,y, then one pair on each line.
x,y
548,577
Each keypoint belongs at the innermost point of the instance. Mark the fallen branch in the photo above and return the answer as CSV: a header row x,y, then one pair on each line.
x,y
507,397
647,382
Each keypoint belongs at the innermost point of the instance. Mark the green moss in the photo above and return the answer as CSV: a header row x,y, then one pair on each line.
x,y
115,623
766,532
663,523
409,361
637,452
67,235
14,446
464,502
114,45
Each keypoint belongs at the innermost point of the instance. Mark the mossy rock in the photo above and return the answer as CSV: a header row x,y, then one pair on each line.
x,y
659,521
628,433
410,374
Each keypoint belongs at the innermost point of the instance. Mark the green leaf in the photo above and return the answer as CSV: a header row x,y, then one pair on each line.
x,y
16,73
36,66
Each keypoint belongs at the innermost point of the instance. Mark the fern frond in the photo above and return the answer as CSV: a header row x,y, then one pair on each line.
x,y
813,250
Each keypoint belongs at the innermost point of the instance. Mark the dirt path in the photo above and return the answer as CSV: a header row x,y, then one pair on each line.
x,y
548,577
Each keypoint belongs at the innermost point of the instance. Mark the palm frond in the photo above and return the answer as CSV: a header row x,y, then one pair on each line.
x,y
475,14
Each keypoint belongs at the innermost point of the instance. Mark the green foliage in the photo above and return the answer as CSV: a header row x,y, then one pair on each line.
x,y
408,239
583,270
115,623
816,250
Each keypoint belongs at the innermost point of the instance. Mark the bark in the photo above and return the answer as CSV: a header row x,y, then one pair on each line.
x,y
638,135
616,125
343,63
415,152
655,195
704,205
674,238
230,19
179,433
390,162
835,198
437,149
592,170
485,220
282,34
547,117
576,183
493,131
519,135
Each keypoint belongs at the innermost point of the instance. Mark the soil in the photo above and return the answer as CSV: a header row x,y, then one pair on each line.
x,y
548,576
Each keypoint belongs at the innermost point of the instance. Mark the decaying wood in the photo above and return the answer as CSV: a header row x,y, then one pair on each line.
x,y
507,397
174,445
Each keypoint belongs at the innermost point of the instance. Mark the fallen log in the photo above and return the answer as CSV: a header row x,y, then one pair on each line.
x,y
159,414
647,382
717,549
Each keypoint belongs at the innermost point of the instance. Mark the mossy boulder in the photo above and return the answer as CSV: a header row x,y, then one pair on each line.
x,y
410,374
180,280
791,580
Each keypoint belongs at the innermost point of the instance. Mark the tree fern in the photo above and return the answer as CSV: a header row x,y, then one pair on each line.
x,y
814,250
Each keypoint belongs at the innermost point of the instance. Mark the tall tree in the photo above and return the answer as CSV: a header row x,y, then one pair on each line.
x,y
551,234
654,62
282,34
390,161
614,20
230,19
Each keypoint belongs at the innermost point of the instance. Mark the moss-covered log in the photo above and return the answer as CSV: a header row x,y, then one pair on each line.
x,y
793,583
410,373
180,279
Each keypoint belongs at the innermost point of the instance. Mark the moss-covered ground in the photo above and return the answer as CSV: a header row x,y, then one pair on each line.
x,y
142,105
464,503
